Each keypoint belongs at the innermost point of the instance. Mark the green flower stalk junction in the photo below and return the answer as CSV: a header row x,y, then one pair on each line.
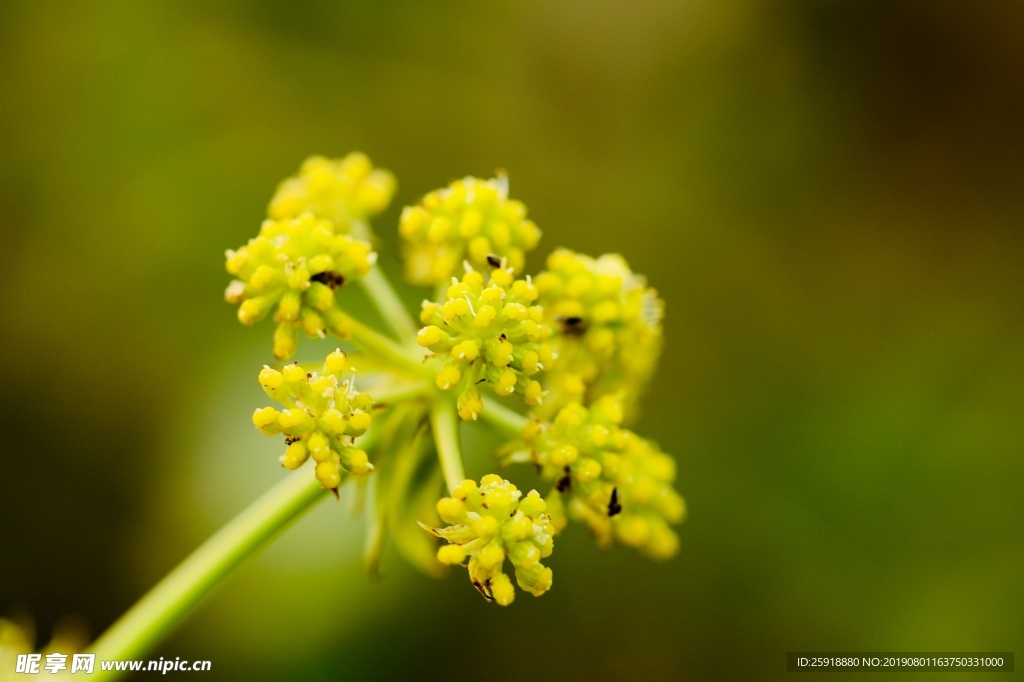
x,y
555,363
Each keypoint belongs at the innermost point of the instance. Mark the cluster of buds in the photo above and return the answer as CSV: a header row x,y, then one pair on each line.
x,y
470,220
322,418
492,522
619,484
588,328
491,334
607,324
296,265
345,191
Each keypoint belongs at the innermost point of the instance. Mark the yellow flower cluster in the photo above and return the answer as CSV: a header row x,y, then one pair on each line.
x,y
470,220
607,324
608,477
340,190
492,522
493,334
322,418
296,265
578,344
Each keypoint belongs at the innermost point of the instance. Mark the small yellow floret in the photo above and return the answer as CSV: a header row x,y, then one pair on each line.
x,y
336,362
502,591
359,421
264,417
450,509
451,555
448,377
429,336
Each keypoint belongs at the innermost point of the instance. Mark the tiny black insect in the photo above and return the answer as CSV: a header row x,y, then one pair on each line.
x,y
493,260
573,326
565,482
334,280
613,504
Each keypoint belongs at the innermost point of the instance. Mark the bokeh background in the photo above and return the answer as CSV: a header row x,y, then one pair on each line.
x,y
829,196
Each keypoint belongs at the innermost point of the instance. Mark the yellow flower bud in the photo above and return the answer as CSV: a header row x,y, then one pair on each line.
x,y
488,525
430,336
270,379
359,462
451,555
564,456
448,377
607,324
264,417
450,509
322,416
533,394
344,191
502,590
328,475
464,489
483,340
468,350
472,220
359,421
296,263
484,316
295,456
286,339
506,526
336,362
252,310
616,482
470,404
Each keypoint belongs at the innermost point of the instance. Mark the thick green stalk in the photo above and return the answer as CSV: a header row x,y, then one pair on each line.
x,y
445,424
170,601
378,288
387,395
387,350
507,420
383,295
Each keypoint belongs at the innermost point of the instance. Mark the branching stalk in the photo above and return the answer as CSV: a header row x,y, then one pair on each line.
x,y
387,350
173,598
445,423
384,296
509,421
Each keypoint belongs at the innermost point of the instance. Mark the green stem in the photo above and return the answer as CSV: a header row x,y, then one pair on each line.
x,y
390,394
387,350
170,601
505,419
391,308
445,424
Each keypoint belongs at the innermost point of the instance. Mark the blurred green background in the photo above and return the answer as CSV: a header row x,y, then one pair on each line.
x,y
829,196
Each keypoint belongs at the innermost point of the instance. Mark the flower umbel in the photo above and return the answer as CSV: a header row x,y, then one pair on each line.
x,y
492,334
591,325
322,418
619,484
492,522
296,265
345,191
577,345
607,324
472,220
